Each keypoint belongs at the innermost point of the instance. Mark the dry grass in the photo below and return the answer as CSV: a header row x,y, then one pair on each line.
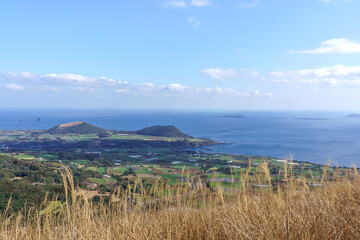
x,y
72,124
288,211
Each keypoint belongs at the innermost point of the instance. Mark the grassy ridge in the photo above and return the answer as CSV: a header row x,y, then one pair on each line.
x,y
79,128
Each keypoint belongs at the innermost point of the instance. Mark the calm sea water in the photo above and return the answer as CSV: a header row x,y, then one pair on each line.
x,y
308,136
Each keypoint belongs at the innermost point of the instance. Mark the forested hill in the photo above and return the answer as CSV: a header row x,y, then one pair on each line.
x,y
163,131
26,183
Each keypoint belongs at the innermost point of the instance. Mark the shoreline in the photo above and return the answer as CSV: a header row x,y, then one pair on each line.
x,y
198,149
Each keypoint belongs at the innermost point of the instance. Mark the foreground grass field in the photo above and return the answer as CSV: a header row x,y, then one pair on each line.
x,y
295,209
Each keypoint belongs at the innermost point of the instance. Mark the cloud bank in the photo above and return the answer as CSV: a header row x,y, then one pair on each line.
x,y
175,3
183,4
338,75
220,74
248,4
336,45
200,3
75,83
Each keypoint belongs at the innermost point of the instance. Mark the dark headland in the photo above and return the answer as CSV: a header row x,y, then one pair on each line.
x,y
160,131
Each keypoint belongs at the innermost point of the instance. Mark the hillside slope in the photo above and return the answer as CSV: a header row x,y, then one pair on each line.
x,y
78,127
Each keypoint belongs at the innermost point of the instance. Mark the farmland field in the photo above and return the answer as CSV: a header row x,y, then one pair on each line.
x,y
26,157
101,170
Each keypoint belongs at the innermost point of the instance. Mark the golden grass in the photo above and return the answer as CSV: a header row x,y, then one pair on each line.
x,y
72,124
290,210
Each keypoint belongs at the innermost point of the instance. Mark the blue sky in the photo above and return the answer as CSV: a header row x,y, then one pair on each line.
x,y
180,54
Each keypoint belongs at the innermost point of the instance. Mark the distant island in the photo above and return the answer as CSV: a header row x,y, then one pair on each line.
x,y
352,116
232,116
317,119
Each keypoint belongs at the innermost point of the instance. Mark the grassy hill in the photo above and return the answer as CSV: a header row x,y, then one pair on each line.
x,y
78,127
163,131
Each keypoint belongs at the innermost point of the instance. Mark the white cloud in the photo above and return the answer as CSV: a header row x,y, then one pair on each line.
x,y
334,1
122,90
83,89
74,83
148,88
248,4
45,89
232,92
338,75
57,79
183,3
26,75
193,21
144,87
256,93
200,3
70,77
175,3
55,82
335,45
220,74
218,90
77,78
123,82
14,87
226,91
178,88
239,50
247,73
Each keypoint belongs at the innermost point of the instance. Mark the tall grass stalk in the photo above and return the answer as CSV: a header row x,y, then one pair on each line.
x,y
292,209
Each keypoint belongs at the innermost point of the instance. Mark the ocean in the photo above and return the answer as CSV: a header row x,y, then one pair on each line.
x,y
308,136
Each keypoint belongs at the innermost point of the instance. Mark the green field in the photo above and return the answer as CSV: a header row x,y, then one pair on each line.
x,y
173,178
98,180
181,167
92,169
143,170
47,156
119,169
25,157
101,170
